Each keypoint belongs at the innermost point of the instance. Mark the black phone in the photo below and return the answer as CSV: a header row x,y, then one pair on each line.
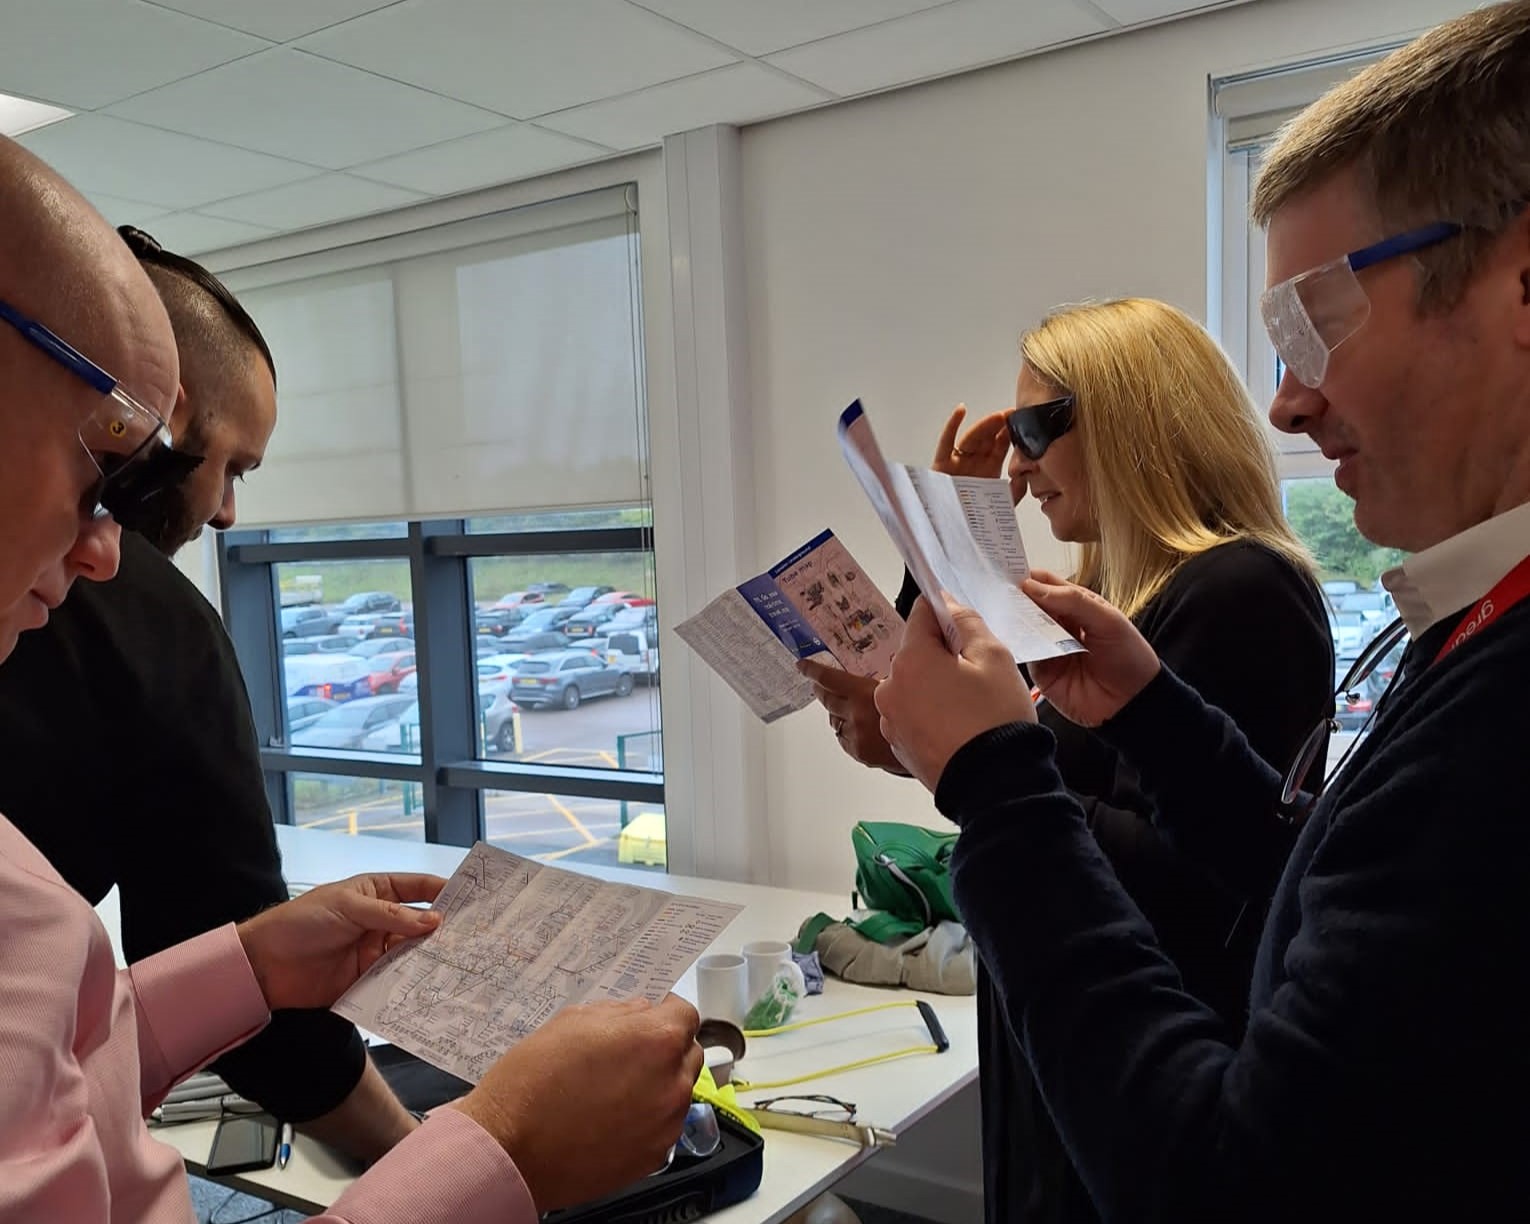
x,y
244,1142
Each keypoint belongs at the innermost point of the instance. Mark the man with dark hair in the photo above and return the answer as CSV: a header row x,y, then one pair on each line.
x,y
130,704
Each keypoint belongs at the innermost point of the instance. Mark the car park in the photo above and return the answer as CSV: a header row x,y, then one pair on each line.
x,y
565,678
350,725
499,717
644,617
633,599
369,647
546,588
393,625
360,625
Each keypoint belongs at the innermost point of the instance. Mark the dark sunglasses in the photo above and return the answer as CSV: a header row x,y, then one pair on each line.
x,y
1034,428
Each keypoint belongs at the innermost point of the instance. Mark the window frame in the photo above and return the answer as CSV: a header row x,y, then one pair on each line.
x,y
452,777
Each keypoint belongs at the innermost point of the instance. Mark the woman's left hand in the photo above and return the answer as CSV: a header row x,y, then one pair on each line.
x,y
308,952
980,449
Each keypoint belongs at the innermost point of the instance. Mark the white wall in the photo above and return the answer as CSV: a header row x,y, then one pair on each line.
x,y
895,247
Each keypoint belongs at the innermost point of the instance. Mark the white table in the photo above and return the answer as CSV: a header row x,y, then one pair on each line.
x,y
797,1167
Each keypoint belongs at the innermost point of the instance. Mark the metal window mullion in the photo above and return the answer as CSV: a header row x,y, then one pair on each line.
x,y
250,603
448,691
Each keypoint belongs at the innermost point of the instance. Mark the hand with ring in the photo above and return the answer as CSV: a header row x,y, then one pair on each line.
x,y
851,703
981,449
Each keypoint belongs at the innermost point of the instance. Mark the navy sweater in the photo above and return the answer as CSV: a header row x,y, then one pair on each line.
x,y
1385,1071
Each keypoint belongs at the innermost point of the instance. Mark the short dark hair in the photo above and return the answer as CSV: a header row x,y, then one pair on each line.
x,y
148,251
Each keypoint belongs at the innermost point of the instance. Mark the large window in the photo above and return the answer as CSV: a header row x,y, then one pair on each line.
x,y
447,613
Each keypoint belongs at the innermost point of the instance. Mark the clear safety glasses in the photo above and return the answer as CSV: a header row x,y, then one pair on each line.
x,y
1310,315
127,441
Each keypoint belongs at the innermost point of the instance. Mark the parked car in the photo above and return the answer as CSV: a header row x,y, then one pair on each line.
x,y
372,646
1350,709
566,678
394,625
299,646
333,677
334,643
496,622
540,619
388,670
546,588
645,617
634,650
369,601
633,599
303,712
307,621
360,625
1350,632
350,725
517,599
526,642
585,624
499,716
580,596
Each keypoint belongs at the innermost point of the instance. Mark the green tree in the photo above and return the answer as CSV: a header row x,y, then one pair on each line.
x,y
1324,519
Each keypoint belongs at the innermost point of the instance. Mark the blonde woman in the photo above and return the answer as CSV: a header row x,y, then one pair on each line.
x,y
1142,447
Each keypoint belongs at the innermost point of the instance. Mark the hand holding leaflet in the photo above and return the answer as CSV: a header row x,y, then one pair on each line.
x,y
956,534
816,604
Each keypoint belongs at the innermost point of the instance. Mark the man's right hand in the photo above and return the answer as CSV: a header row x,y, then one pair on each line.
x,y
851,703
594,1099
1090,688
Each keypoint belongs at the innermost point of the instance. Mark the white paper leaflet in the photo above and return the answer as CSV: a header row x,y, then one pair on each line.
x,y
518,940
957,534
816,604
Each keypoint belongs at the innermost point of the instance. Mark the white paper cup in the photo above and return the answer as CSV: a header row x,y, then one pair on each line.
x,y
722,988
764,957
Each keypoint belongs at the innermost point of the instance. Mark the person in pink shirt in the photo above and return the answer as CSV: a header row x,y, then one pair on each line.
x,y
592,1101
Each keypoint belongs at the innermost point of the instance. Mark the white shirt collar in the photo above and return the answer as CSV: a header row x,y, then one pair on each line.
x,y
1445,578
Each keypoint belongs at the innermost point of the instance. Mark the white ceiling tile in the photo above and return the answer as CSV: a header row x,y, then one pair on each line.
x,y
278,20
191,233
757,28
515,151
951,38
125,212
739,93
1132,12
294,105
331,197
84,54
100,154
522,58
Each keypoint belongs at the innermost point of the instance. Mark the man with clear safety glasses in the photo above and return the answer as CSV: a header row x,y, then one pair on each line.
x,y
86,1051
1384,1074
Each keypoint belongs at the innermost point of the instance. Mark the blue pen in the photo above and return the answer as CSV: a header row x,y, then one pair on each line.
x,y
284,1152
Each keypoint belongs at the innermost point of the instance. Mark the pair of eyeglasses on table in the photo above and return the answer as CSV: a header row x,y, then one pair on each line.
x,y
818,1114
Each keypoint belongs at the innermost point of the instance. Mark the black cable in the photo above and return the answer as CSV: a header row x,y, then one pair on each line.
x,y
232,1195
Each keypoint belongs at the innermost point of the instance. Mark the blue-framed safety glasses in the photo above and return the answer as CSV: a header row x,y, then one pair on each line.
x,y
128,442
1311,314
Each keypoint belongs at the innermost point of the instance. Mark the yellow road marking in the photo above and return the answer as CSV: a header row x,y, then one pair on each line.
x,y
352,814
558,854
321,821
572,819
400,824
608,758
541,832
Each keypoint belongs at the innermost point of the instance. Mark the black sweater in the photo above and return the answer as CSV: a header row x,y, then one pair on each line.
x,y
1249,632
132,760
1385,1072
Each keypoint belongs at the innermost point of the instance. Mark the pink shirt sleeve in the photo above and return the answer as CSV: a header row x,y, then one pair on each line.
x,y
407,1185
194,1001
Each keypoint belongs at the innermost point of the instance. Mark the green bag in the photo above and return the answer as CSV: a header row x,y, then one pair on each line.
x,y
904,872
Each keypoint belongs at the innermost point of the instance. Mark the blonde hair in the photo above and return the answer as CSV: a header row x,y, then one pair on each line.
x,y
1177,459
1437,131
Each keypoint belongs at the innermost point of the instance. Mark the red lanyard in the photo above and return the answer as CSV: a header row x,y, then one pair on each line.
x,y
1511,588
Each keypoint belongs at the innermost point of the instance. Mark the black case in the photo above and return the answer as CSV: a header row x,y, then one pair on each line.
x,y
698,1188
682,1192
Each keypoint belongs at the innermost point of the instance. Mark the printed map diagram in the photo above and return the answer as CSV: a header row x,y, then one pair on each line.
x,y
519,940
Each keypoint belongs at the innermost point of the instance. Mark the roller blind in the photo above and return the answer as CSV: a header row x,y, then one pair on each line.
x,y
478,368
1253,105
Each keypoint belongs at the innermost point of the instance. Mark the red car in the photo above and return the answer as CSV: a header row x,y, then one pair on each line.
x,y
519,599
388,671
631,598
